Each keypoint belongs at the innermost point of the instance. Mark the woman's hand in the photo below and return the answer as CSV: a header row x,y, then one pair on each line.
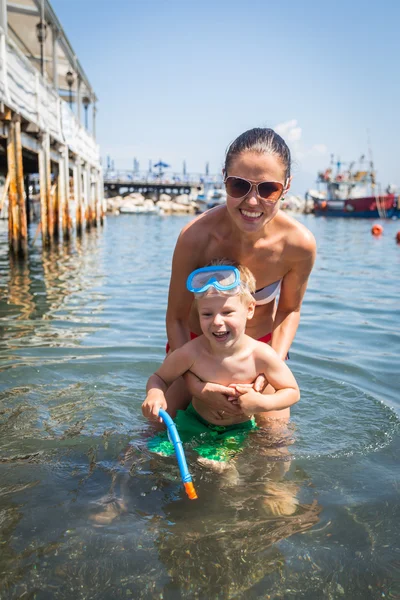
x,y
223,399
213,394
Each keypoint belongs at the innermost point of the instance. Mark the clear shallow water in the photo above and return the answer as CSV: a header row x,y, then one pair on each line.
x,y
313,517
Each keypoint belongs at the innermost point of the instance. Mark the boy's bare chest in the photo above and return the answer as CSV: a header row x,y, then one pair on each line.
x,y
226,370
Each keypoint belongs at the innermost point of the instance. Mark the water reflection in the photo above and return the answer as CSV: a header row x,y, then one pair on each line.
x,y
36,293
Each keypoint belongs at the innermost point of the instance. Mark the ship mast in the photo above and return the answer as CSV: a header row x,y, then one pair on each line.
x,y
371,162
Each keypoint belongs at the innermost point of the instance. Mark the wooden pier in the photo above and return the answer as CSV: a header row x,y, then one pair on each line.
x,y
123,183
43,91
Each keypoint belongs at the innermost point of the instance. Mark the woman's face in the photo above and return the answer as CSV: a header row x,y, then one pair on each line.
x,y
251,213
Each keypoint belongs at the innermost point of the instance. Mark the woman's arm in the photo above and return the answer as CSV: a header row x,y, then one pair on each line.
x,y
279,376
180,300
294,285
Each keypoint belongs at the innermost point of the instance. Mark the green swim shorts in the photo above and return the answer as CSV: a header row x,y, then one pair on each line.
x,y
215,442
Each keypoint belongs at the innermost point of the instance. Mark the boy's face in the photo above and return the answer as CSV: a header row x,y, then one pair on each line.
x,y
223,318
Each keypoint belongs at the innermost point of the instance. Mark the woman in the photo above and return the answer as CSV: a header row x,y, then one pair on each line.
x,y
251,230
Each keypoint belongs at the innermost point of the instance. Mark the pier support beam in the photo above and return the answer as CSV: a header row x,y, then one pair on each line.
x,y
46,204
78,195
100,195
63,186
43,203
17,220
86,187
93,198
55,196
49,195
97,198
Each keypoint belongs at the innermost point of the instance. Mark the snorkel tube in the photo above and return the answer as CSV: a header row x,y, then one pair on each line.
x,y
180,455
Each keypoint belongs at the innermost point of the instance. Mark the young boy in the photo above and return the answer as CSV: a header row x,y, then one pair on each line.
x,y
224,354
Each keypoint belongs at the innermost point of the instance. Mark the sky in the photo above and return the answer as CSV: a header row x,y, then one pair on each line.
x,y
179,80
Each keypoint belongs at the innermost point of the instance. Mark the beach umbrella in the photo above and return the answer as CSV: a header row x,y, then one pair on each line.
x,y
160,166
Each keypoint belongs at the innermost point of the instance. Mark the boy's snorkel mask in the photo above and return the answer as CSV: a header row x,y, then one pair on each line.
x,y
223,278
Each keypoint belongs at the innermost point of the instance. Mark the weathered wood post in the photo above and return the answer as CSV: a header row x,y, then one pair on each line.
x,y
101,197
28,207
12,191
56,202
78,195
97,198
17,222
93,198
63,185
43,196
23,224
86,187
49,198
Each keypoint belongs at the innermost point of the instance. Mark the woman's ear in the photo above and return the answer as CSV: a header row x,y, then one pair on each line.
x,y
287,186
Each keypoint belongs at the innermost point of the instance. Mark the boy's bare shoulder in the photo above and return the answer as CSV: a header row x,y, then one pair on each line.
x,y
263,351
196,346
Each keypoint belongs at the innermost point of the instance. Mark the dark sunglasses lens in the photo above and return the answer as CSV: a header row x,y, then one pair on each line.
x,y
270,190
236,187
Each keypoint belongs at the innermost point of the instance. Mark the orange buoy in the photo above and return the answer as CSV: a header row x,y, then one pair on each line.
x,y
376,229
398,237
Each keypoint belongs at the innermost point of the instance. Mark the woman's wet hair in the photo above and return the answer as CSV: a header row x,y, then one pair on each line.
x,y
262,141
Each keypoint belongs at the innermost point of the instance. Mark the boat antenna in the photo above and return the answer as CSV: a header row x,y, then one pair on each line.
x,y
371,160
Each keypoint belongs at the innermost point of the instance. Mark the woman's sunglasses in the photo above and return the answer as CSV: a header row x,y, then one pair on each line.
x,y
237,187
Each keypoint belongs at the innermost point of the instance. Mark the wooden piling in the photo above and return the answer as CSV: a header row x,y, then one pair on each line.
x,y
43,197
86,187
49,196
64,195
17,223
56,205
96,204
12,191
100,195
22,224
4,195
78,196
93,213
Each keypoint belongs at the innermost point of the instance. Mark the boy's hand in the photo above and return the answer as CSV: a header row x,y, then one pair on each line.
x,y
249,399
259,385
152,405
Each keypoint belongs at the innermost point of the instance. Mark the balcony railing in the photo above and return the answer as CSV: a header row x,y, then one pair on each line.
x,y
24,90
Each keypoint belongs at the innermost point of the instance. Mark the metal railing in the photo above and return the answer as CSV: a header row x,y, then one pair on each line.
x,y
164,178
27,93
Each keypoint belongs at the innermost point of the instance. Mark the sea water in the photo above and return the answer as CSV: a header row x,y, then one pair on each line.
x,y
87,513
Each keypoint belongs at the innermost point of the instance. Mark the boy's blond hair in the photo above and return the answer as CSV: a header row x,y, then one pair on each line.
x,y
247,281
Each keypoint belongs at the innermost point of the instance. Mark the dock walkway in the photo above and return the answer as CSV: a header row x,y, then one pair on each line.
x,y
43,91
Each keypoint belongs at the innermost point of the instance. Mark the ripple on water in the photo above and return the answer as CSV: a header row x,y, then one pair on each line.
x,y
335,419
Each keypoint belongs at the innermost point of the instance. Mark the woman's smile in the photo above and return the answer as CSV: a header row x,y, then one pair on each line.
x,y
250,215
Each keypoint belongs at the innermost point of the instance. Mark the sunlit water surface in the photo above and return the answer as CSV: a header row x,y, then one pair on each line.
x,y
314,515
